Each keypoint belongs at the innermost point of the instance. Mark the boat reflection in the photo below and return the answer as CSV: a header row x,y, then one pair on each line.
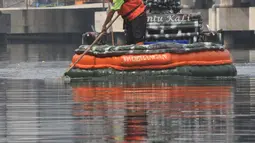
x,y
176,110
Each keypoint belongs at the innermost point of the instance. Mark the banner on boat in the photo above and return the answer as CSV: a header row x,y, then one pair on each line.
x,y
133,60
166,18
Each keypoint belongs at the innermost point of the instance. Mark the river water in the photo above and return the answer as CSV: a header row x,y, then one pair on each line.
x,y
37,106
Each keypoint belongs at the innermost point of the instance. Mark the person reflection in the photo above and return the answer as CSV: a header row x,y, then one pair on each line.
x,y
135,124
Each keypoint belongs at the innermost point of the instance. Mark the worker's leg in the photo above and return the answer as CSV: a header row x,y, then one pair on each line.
x,y
128,33
139,28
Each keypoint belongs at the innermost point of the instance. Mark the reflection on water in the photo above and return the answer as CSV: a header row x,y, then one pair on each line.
x,y
186,110
33,110
37,107
167,111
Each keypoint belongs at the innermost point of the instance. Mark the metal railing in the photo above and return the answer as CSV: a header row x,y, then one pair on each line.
x,y
13,3
46,3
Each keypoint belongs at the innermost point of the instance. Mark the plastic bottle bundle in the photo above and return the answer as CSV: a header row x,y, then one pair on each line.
x,y
163,6
174,27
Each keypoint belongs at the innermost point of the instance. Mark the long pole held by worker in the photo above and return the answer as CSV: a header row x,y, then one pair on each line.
x,y
111,28
95,41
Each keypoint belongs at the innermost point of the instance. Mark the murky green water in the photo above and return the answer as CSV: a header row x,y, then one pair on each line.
x,y
36,106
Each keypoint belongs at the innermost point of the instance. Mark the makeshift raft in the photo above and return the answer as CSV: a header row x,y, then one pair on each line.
x,y
175,44
197,59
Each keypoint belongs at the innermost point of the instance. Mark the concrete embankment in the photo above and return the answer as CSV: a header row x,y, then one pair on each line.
x,y
59,23
69,22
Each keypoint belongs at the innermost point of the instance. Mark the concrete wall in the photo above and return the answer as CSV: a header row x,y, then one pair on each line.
x,y
227,2
52,20
100,18
252,18
232,19
5,23
187,2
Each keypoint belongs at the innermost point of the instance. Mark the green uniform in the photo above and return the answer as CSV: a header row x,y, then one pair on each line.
x,y
117,4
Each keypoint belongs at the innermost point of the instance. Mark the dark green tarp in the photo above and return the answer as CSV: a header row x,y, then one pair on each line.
x,y
107,50
204,71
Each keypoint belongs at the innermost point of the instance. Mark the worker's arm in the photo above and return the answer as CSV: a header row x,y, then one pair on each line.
x,y
108,19
116,6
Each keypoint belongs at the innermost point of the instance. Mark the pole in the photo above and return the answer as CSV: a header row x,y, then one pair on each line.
x,y
1,3
111,28
103,4
26,4
100,35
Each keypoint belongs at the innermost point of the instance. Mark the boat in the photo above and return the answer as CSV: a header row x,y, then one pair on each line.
x,y
176,44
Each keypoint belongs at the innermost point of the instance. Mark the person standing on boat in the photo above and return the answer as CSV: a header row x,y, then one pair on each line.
x,y
133,13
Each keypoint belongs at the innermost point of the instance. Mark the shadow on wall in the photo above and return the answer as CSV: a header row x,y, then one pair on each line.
x,y
115,38
5,22
3,39
239,39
